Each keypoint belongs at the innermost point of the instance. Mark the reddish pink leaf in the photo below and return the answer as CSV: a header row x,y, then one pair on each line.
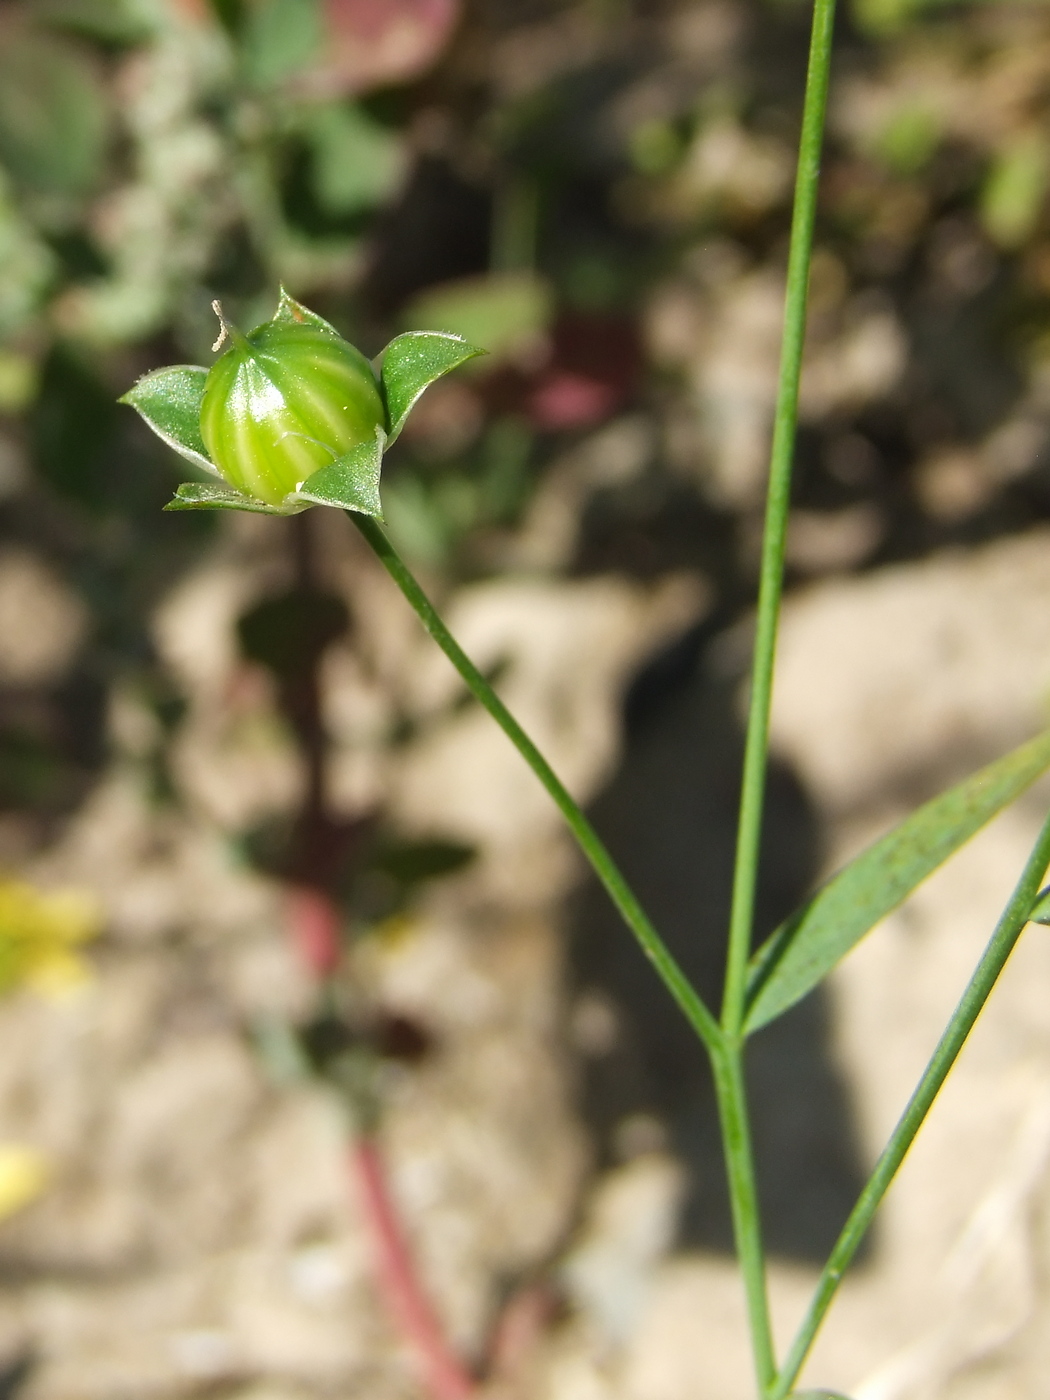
x,y
372,43
314,921
568,400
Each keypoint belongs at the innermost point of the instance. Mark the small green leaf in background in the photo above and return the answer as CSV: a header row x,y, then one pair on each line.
x,y
883,18
415,523
805,948
19,377
507,312
112,21
202,495
413,361
351,483
1013,194
411,862
655,146
357,163
54,117
170,401
280,39
27,265
909,139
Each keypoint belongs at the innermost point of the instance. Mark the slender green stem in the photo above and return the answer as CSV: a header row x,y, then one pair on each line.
x,y
777,500
979,988
619,891
731,1091
728,1063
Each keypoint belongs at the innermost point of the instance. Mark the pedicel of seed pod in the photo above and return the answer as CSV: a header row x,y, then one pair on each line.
x,y
286,399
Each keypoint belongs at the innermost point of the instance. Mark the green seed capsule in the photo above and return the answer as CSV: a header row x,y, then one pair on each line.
x,y
290,397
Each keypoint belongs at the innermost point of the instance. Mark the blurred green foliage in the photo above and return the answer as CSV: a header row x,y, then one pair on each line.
x,y
600,195
54,116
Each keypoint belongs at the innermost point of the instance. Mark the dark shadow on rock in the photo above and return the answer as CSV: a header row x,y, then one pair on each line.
x,y
669,817
15,1375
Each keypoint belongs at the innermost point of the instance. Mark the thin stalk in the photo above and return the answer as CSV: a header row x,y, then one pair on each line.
x,y
771,575
728,1065
443,1374
731,1091
699,1017
979,988
515,224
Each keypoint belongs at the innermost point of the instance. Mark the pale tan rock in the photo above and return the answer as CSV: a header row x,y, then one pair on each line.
x,y
42,622
564,650
914,668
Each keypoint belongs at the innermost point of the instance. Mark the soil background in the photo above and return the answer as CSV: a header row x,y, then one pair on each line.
x,y
221,726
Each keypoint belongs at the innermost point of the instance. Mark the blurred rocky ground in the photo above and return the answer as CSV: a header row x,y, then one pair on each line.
x,y
599,193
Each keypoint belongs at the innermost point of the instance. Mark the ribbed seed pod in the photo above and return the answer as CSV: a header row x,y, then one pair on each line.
x,y
284,401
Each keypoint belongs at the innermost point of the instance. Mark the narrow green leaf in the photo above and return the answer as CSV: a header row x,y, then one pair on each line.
x,y
170,402
351,483
202,495
808,945
1041,908
413,361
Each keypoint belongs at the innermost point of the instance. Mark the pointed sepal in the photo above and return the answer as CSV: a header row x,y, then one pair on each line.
x,y
288,309
351,482
411,362
170,402
202,495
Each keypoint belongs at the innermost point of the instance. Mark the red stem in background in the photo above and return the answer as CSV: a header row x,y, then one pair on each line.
x,y
445,1377
518,1331
314,923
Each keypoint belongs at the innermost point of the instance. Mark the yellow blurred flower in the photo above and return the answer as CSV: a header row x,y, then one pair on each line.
x,y
40,933
24,1173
